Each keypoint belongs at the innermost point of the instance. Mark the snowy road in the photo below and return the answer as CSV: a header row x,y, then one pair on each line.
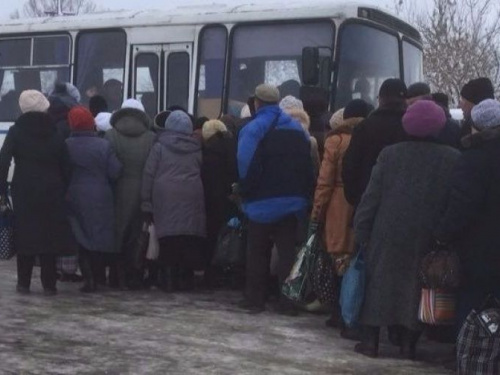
x,y
154,333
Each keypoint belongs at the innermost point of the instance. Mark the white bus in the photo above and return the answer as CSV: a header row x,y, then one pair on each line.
x,y
209,59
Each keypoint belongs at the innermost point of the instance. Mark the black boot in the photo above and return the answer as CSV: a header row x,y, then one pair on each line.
x,y
186,280
409,339
369,346
89,285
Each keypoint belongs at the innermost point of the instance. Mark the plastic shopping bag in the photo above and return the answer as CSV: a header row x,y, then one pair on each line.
x,y
353,290
153,251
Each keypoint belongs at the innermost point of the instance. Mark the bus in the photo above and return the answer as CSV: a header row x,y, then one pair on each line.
x,y
209,59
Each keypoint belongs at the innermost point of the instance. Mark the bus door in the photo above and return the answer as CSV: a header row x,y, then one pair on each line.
x,y
161,76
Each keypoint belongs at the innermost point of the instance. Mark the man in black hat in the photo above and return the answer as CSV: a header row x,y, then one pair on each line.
x,y
418,91
473,93
381,129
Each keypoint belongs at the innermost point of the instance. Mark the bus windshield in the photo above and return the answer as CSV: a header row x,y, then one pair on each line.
x,y
368,56
271,53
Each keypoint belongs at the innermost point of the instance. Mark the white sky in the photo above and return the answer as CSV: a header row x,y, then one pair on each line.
x,y
9,6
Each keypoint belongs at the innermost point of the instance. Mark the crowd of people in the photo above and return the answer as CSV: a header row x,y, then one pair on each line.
x,y
392,182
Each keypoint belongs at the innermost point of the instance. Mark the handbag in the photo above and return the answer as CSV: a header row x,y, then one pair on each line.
x,y
440,269
7,246
437,307
323,277
352,292
478,343
295,285
230,248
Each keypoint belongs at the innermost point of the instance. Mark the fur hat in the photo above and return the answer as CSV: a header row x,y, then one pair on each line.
x,y
424,119
80,119
267,93
486,114
337,119
179,122
291,102
477,90
33,101
133,103
212,127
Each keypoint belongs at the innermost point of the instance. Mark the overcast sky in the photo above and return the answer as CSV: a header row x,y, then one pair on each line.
x,y
9,6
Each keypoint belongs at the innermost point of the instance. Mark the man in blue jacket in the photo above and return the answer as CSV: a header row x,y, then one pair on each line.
x,y
276,184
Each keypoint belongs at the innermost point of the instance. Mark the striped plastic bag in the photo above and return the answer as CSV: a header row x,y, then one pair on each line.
x,y
437,307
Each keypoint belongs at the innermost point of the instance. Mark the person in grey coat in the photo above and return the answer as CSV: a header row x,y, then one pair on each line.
x,y
394,222
132,139
172,198
95,167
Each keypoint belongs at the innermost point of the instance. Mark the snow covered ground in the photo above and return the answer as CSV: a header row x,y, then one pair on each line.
x,y
154,333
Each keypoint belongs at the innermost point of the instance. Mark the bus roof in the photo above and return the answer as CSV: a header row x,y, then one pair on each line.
x,y
217,12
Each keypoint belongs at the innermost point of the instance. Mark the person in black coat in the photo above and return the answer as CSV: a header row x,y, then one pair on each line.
x,y
382,128
41,177
218,173
471,222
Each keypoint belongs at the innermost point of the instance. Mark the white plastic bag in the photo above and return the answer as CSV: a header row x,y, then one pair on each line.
x,y
154,246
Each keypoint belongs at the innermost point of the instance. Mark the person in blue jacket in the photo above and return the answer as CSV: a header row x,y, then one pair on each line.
x,y
276,185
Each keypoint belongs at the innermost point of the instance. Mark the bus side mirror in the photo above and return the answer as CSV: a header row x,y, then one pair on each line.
x,y
310,66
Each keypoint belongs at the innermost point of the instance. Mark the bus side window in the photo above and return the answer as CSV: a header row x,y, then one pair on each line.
x,y
178,80
100,65
213,45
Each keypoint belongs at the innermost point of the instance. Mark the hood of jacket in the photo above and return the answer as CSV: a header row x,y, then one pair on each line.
x,y
301,116
179,143
36,124
130,122
347,126
478,139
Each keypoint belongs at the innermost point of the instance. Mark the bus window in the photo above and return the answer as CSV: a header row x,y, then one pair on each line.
x,y
100,65
146,81
412,58
259,55
213,45
178,79
31,63
368,56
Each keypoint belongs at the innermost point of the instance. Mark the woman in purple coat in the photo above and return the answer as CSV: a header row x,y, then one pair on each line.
x,y
94,169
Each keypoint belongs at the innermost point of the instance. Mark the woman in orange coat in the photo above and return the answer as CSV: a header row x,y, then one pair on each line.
x,y
330,206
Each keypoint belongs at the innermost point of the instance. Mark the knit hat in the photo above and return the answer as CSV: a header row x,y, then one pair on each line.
x,y
133,103
33,101
103,121
486,114
424,119
337,119
179,122
418,89
291,102
357,108
477,90
80,119
393,88
212,127
267,93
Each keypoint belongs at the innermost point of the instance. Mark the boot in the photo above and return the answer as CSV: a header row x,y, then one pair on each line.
x,y
186,280
89,285
369,346
395,335
409,339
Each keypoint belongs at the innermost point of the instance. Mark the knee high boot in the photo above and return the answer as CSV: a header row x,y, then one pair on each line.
x,y
369,345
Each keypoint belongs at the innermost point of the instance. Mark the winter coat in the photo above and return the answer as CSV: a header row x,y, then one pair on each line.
x,y
38,189
172,189
131,139
58,110
330,205
472,220
275,166
401,207
218,173
382,128
95,167
450,135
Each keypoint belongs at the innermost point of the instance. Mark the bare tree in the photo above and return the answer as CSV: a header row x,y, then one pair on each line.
x,y
42,8
461,41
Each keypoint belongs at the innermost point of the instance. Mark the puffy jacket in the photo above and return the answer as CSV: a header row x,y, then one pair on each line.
x,y
275,166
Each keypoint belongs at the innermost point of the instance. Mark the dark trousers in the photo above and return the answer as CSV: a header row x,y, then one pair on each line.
x,y
261,238
25,265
